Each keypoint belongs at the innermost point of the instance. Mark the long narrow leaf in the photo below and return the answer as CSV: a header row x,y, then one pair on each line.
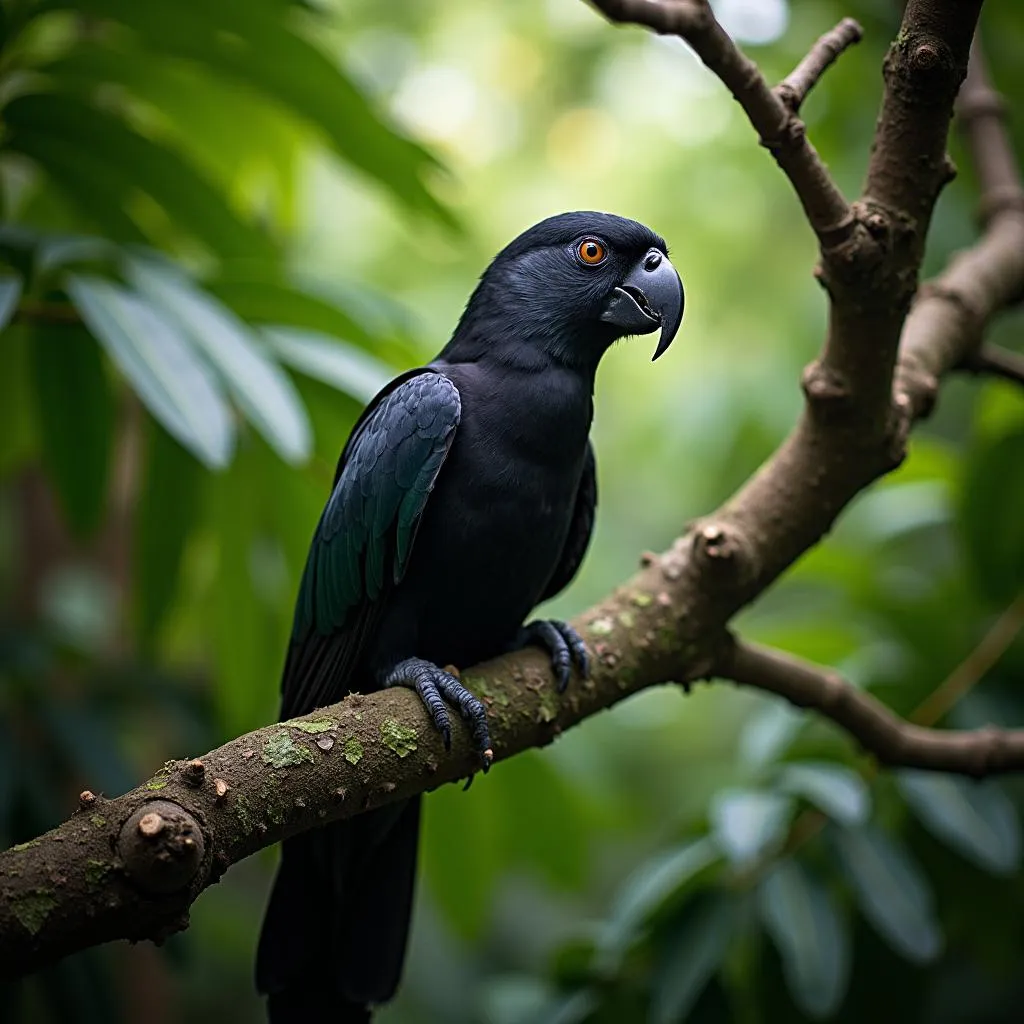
x,y
976,818
841,793
690,956
191,201
648,888
10,292
749,823
256,45
168,376
262,389
810,937
97,192
330,360
270,302
892,891
234,133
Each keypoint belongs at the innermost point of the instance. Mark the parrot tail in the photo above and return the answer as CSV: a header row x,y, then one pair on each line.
x,y
334,935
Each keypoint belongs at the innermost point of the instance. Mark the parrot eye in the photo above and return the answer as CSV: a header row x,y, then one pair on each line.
x,y
591,251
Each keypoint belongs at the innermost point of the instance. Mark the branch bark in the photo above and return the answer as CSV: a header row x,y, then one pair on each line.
x,y
130,867
793,89
893,741
997,362
780,130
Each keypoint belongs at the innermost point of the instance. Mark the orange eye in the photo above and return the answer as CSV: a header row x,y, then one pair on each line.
x,y
591,251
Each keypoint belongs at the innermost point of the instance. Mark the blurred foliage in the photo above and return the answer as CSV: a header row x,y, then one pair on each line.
x,y
216,243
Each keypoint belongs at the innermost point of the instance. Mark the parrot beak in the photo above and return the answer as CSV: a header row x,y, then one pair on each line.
x,y
651,296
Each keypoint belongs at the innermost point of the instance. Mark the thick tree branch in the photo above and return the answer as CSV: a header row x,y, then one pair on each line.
x,y
982,116
131,866
945,326
793,89
780,130
872,279
893,741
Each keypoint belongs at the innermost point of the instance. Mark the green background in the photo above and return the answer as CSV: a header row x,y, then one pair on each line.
x,y
225,223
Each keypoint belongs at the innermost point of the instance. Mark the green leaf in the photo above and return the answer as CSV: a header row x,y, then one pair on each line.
x,y
168,509
990,516
257,46
10,292
343,366
809,935
749,823
975,818
245,140
769,731
574,1008
75,413
261,388
172,381
689,957
837,791
891,890
61,250
97,191
189,199
653,884
270,302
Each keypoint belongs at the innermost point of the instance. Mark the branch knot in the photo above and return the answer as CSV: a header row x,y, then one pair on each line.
x,y
723,554
162,847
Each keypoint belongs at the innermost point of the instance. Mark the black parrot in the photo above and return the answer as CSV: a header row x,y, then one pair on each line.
x,y
464,497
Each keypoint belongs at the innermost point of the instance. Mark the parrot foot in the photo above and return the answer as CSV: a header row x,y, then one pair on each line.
x,y
435,686
562,643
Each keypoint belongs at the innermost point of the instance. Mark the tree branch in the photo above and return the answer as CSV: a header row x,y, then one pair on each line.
x,y
945,327
981,112
893,741
780,130
996,362
58,314
130,867
965,676
112,871
793,89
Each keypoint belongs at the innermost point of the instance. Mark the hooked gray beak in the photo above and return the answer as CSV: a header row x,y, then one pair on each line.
x,y
650,297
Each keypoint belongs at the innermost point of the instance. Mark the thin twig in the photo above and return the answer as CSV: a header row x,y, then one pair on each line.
x,y
810,822
793,89
893,741
997,362
55,314
973,668
780,131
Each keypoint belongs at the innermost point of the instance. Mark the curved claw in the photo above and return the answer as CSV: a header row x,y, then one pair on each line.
x,y
435,686
563,644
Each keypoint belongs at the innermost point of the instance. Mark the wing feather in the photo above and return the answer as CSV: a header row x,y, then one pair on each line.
x,y
580,529
365,536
